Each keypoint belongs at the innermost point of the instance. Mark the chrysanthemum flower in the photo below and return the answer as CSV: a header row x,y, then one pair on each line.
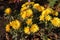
x,y
29,21
29,12
15,24
7,28
24,8
41,17
8,10
23,14
48,18
56,22
47,11
27,30
34,28
55,13
38,7
27,4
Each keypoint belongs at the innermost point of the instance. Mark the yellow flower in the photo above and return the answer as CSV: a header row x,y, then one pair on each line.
x,y
8,11
27,4
46,12
7,28
41,8
29,21
23,14
29,12
24,5
41,17
15,24
27,30
38,7
47,18
56,22
34,28
55,13
23,9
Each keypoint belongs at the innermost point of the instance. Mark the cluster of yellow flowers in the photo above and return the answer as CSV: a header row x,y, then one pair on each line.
x,y
34,28
27,13
14,24
45,16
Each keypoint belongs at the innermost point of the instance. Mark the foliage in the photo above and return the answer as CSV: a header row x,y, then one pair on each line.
x,y
31,19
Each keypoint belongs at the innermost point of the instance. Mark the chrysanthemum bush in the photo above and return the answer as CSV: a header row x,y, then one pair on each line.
x,y
31,19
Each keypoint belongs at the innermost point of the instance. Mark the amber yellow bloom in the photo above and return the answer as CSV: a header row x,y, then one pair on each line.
x,y
27,30
24,8
27,4
38,7
24,5
56,22
47,11
23,14
15,24
29,12
8,10
41,8
34,28
47,18
7,28
41,17
29,21
55,13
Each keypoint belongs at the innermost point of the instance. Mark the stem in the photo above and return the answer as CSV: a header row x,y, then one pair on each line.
x,y
7,36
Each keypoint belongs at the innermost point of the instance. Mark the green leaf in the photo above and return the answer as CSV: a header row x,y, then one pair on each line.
x,y
52,2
